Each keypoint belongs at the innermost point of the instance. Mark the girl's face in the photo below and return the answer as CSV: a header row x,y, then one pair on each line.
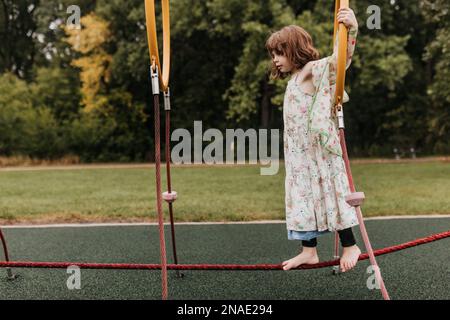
x,y
282,62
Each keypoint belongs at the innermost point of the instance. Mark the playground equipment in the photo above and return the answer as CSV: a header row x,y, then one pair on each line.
x,y
355,199
158,82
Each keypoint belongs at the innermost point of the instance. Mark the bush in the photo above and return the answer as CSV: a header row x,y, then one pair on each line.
x,y
24,129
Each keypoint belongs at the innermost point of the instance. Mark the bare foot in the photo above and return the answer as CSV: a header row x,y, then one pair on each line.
x,y
350,256
308,256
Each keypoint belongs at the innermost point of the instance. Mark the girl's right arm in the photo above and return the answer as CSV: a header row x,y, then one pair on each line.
x,y
351,44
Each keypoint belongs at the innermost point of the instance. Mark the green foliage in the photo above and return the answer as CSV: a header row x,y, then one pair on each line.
x,y
94,62
59,90
23,128
398,80
29,127
114,132
17,25
383,62
437,14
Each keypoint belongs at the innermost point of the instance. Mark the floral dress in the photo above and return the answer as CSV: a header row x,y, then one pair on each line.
x,y
316,181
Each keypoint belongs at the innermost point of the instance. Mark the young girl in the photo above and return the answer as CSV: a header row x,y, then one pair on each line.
x,y
316,182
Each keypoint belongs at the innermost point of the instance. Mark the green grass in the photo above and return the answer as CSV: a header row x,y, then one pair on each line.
x,y
237,193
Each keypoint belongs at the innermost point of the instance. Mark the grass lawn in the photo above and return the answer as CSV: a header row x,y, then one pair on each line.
x,y
236,193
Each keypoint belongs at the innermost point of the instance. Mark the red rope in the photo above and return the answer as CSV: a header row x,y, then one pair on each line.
x,y
240,267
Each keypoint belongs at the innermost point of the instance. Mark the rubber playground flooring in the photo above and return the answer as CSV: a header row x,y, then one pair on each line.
x,y
417,273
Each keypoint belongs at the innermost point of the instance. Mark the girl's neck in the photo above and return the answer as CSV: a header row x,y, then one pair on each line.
x,y
295,73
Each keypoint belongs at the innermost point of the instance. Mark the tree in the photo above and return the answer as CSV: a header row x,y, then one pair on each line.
x,y
437,15
95,62
17,27
59,90
24,129
50,17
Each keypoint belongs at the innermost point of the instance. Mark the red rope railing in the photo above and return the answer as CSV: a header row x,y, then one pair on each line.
x,y
236,267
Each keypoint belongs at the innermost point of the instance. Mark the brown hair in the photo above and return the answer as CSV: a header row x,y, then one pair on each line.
x,y
294,43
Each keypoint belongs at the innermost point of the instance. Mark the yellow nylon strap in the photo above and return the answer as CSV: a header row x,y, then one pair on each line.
x,y
152,38
341,29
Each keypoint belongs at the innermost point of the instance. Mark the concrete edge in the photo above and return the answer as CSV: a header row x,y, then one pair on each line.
x,y
125,224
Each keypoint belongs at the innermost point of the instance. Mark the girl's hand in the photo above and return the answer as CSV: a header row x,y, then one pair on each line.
x,y
347,17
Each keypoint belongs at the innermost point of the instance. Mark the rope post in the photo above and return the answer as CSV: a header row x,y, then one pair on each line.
x,y
159,209
340,30
356,199
362,226
163,82
170,196
340,116
9,273
336,256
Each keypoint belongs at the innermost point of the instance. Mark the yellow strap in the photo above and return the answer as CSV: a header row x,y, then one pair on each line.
x,y
152,38
342,51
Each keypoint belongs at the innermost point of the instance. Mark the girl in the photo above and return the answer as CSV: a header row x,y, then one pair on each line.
x,y
316,182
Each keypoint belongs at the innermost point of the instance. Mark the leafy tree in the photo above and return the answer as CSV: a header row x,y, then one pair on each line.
x,y
437,53
17,26
25,130
95,61
57,89
399,95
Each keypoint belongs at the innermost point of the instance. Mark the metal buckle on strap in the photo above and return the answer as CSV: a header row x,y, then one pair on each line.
x,y
152,38
167,100
155,80
340,116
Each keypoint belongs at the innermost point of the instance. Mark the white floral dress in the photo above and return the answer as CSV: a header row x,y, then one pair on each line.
x,y
316,181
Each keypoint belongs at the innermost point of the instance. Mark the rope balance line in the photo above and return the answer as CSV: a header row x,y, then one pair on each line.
x,y
235,267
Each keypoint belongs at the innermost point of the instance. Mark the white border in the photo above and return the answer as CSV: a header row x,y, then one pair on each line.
x,y
127,224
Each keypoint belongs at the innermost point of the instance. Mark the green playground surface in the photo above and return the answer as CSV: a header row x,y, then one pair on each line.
x,y
417,273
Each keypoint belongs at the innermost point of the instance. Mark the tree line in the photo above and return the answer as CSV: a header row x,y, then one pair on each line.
x,y
86,92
